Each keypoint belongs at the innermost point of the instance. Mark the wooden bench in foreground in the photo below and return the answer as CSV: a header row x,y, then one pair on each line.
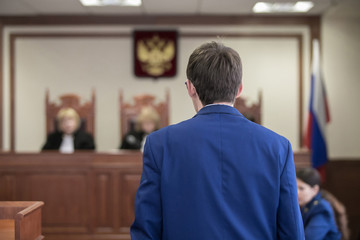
x,y
20,220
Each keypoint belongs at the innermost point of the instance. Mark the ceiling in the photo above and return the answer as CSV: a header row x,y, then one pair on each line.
x,y
149,7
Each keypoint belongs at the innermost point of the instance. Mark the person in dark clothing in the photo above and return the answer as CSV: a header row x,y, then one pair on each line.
x,y
69,137
147,122
317,213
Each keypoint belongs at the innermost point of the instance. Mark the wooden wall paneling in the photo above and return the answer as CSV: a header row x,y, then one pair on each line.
x,y
13,186
302,159
7,187
1,85
115,201
129,183
61,181
86,195
315,29
92,202
122,190
118,167
65,206
342,180
103,202
23,186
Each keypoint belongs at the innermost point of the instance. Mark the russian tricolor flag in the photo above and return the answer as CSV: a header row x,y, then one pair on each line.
x,y
319,115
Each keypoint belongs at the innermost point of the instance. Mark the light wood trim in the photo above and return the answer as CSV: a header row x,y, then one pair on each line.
x,y
12,93
72,35
18,209
301,93
29,209
1,85
156,20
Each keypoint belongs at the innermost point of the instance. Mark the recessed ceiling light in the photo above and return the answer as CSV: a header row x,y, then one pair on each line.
x,y
262,7
303,6
265,7
134,3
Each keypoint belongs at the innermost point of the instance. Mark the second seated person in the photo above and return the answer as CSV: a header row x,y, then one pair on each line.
x,y
317,213
69,137
147,122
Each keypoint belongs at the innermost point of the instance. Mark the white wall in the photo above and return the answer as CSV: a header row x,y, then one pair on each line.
x,y
77,65
341,65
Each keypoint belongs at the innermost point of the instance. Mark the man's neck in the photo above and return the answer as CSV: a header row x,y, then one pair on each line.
x,y
211,104
221,103
198,104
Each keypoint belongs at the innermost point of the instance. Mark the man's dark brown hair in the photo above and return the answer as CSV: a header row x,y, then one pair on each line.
x,y
215,71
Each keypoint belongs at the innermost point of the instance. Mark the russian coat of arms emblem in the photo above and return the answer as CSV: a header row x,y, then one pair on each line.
x,y
155,53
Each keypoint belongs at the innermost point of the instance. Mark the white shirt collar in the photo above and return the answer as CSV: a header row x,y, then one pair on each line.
x,y
223,104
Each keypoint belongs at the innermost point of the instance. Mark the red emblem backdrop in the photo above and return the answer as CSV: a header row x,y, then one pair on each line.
x,y
155,53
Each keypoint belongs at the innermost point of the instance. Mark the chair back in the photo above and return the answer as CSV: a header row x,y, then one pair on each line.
x,y
251,112
86,111
130,111
339,213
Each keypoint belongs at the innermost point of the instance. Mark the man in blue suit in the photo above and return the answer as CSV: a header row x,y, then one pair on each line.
x,y
217,175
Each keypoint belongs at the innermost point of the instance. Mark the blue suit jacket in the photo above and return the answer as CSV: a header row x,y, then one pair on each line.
x,y
217,176
319,220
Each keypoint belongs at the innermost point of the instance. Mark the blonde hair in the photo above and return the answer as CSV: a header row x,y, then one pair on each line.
x,y
67,112
147,114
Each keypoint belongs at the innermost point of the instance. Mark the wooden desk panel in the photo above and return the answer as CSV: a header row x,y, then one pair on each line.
x,y
86,195
7,229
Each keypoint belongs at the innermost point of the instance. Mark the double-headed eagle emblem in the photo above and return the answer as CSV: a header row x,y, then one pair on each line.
x,y
155,55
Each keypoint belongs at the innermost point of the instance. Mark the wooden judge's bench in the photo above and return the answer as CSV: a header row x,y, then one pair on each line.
x,y
87,195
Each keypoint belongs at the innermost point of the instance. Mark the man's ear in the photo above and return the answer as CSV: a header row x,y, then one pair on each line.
x,y
191,89
239,90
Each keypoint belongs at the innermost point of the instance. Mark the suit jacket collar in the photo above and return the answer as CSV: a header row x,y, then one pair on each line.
x,y
218,108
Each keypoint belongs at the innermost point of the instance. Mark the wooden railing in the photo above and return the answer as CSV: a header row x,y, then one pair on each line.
x,y
86,195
